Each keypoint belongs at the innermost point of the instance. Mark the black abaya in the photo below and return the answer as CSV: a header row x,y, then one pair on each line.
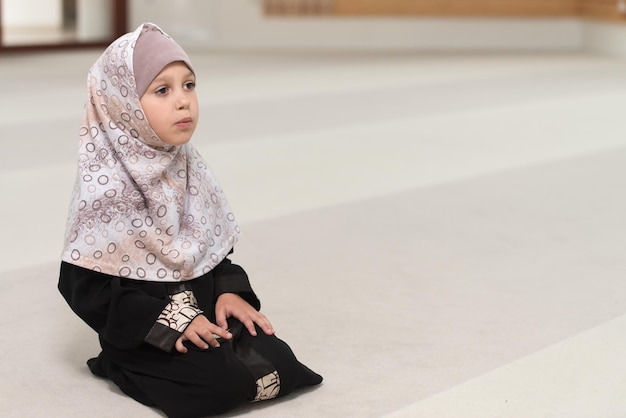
x,y
144,364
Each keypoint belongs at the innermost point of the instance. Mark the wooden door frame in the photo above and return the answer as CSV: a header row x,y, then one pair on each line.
x,y
119,27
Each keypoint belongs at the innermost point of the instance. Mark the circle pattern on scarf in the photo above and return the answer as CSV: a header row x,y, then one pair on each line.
x,y
140,209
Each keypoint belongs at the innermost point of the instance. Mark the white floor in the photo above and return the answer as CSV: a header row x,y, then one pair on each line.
x,y
447,230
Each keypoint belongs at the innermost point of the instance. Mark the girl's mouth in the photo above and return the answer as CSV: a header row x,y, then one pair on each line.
x,y
184,123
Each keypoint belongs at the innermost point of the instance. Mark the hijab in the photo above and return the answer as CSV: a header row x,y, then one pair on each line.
x,y
141,209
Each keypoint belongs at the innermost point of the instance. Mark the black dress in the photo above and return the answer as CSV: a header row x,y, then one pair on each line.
x,y
138,323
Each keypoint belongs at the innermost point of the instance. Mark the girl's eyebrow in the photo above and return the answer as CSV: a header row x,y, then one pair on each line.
x,y
165,79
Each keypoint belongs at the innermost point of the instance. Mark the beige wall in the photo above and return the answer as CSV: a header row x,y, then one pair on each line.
x,y
474,8
592,9
245,25
32,13
605,10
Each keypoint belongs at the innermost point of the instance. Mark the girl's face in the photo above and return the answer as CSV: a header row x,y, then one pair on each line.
x,y
171,105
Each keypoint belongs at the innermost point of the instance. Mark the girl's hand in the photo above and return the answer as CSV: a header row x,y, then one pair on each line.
x,y
230,304
202,333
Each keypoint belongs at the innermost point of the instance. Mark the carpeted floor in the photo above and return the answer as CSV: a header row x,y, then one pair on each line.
x,y
447,231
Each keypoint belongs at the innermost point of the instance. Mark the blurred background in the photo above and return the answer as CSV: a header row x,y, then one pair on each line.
x,y
431,194
291,67
593,25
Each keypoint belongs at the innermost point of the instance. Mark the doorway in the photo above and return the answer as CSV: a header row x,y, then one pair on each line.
x,y
45,24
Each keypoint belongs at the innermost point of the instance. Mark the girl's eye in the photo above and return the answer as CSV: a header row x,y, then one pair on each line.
x,y
190,85
161,91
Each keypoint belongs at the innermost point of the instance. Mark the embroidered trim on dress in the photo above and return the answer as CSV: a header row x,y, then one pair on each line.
x,y
174,318
182,309
267,387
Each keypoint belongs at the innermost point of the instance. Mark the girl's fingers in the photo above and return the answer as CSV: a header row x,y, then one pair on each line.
x,y
249,324
199,341
264,323
203,334
220,318
267,328
260,320
220,332
179,346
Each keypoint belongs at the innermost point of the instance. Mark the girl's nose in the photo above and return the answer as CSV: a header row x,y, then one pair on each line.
x,y
182,101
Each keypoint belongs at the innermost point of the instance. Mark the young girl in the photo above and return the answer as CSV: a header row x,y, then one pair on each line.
x,y
148,234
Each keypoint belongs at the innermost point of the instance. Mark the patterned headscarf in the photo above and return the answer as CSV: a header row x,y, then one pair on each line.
x,y
141,209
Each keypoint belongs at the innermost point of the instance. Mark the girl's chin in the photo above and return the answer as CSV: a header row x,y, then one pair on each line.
x,y
181,140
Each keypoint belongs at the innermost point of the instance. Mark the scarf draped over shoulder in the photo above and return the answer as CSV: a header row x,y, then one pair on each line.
x,y
140,209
